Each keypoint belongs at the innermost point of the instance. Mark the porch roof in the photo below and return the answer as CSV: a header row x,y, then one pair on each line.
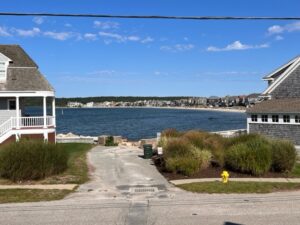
x,y
289,105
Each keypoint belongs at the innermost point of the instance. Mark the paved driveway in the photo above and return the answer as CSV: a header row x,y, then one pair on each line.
x,y
126,189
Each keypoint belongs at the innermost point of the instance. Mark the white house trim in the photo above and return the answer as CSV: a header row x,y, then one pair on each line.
x,y
27,94
280,79
269,77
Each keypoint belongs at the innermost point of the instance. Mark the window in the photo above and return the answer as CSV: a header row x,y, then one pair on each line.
x,y
2,71
254,118
264,118
12,104
297,119
286,118
275,118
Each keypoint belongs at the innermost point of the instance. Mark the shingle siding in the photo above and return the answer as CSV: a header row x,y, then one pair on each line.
x,y
290,87
282,131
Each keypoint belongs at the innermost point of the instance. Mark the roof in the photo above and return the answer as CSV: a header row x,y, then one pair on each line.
x,y
25,79
280,70
22,72
17,55
290,105
281,74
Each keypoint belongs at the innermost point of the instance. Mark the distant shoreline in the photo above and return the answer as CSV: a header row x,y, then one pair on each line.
x,y
221,109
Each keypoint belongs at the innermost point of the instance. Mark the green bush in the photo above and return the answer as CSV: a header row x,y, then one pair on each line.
x,y
242,139
283,156
185,165
110,141
31,160
196,137
183,157
254,157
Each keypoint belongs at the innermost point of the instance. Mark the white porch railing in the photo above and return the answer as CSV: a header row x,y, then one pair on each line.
x,y
5,127
37,121
25,122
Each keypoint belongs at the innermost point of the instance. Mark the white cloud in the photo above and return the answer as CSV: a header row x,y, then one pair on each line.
x,y
68,25
102,72
291,27
278,38
61,36
133,38
115,36
38,20
106,25
177,47
237,45
4,32
275,29
147,40
160,73
27,33
90,36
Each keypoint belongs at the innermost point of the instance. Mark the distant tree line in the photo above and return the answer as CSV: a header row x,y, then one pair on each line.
x,y
63,101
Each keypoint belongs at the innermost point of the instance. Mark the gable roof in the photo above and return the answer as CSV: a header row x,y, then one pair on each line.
x,y
289,105
22,72
17,55
25,79
281,74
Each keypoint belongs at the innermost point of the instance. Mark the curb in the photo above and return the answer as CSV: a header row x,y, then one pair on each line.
x,y
41,186
201,180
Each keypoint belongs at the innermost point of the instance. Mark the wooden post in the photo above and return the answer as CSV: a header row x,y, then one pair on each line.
x,y
18,112
53,112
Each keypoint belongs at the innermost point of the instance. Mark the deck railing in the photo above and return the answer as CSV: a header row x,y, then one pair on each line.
x,y
25,122
37,121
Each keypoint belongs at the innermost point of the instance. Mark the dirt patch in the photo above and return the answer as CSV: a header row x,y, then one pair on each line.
x,y
211,172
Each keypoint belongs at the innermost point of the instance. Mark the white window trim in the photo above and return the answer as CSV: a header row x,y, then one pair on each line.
x,y
270,121
2,80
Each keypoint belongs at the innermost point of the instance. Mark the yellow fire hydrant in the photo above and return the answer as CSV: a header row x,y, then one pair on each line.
x,y
225,176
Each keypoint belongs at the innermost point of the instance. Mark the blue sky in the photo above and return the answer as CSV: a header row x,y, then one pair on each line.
x,y
101,57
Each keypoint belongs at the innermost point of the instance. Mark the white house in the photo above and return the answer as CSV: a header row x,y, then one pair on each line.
x,y
20,82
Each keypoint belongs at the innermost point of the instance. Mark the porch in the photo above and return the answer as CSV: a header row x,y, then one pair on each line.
x,y
18,120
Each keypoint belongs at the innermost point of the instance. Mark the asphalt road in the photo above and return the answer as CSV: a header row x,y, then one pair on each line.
x,y
126,189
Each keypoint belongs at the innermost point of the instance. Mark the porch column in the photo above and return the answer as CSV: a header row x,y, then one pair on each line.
x,y
45,111
53,112
18,112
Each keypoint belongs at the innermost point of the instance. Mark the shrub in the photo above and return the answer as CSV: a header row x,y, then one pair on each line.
x,y
242,139
183,157
178,147
171,132
184,165
283,155
254,157
204,157
196,137
31,160
110,141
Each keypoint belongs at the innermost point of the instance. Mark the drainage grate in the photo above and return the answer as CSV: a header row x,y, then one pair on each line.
x,y
144,190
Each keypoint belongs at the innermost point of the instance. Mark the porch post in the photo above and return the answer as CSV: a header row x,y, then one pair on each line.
x,y
53,112
45,111
18,112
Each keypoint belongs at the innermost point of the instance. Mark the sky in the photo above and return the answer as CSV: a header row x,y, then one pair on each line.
x,y
127,57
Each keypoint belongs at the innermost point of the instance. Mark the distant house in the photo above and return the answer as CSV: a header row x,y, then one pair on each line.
x,y
278,116
74,104
21,81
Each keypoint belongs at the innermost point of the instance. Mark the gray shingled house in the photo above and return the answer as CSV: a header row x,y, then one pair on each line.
x,y
20,81
278,115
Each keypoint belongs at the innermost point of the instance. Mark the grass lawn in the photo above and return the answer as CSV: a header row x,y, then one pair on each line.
x,y
77,172
238,187
296,171
31,195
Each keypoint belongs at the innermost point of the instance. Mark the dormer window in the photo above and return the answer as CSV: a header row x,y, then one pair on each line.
x,y
4,61
3,71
